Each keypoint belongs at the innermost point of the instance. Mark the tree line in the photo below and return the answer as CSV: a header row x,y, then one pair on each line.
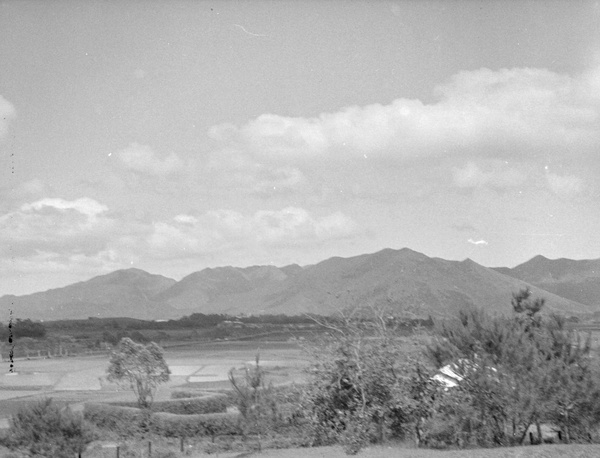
x,y
517,374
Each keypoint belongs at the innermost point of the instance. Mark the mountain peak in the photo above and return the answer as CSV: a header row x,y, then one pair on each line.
x,y
537,259
577,280
410,282
402,253
406,250
125,275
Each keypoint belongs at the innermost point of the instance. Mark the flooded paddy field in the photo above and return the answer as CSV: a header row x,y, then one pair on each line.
x,y
194,367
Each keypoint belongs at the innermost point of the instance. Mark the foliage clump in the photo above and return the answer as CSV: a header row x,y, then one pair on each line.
x,y
23,328
363,388
516,376
523,371
209,403
256,401
45,429
142,367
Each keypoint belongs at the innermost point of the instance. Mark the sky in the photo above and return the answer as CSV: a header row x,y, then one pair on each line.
x,y
175,136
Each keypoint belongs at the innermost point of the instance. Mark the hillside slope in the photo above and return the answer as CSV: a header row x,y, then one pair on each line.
x,y
577,280
406,282
121,293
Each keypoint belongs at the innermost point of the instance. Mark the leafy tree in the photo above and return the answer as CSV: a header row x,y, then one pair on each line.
x,y
423,397
23,328
524,370
44,429
359,390
143,367
256,400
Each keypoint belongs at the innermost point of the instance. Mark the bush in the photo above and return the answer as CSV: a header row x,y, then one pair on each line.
x,y
214,424
359,386
213,403
256,401
521,371
130,421
125,421
45,429
187,394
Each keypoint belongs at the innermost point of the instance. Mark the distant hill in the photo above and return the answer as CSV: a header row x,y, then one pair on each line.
x,y
575,280
121,293
407,282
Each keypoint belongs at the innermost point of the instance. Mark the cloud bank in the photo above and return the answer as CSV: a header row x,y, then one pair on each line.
x,y
187,235
491,113
81,233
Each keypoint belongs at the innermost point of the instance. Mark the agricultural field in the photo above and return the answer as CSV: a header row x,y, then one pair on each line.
x,y
194,367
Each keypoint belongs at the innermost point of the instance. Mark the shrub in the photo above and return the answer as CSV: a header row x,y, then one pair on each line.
x,y
359,385
214,424
125,421
522,371
213,403
130,421
256,401
45,429
187,394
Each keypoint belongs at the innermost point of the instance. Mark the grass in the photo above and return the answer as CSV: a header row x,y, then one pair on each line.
x,y
171,448
539,451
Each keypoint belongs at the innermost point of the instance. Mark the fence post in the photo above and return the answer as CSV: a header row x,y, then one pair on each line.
x,y
149,449
117,451
181,444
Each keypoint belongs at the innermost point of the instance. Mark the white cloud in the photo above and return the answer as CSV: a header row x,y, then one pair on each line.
x,y
78,231
84,205
55,225
294,225
483,112
499,176
185,219
215,231
477,242
81,238
141,159
7,112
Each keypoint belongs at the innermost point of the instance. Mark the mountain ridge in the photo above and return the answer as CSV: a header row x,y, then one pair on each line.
x,y
408,282
578,280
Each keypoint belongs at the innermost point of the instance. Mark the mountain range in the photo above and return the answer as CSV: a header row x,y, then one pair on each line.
x,y
409,283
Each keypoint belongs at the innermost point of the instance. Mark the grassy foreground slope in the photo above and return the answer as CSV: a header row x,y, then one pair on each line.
x,y
539,451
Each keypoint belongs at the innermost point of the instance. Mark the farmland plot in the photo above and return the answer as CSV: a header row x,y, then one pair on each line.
x,y
75,380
